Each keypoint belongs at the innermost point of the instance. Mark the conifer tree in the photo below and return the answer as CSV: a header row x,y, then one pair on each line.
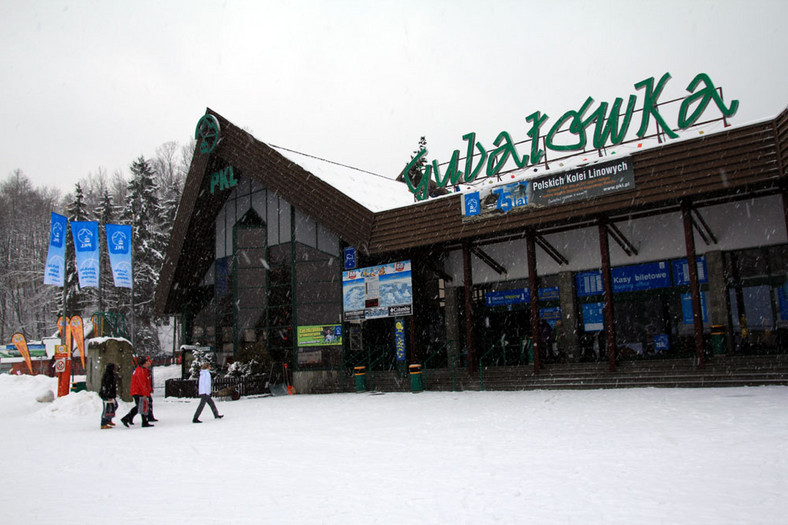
x,y
143,212
77,300
111,298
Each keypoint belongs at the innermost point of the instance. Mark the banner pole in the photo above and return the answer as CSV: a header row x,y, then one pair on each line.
x,y
133,273
100,297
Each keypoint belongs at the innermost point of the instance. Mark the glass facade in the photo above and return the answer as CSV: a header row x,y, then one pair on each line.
x,y
274,269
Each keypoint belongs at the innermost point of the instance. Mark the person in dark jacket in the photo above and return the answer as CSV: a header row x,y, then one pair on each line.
x,y
108,392
140,391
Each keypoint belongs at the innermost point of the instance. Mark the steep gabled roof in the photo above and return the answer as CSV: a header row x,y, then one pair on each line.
x,y
191,252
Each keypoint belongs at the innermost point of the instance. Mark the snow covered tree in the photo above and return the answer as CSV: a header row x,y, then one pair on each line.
x,y
77,300
201,355
144,213
26,304
111,299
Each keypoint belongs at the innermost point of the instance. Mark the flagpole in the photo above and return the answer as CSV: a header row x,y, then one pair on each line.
x,y
100,298
131,251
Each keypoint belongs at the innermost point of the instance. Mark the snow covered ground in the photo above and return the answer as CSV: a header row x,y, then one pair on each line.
x,y
639,456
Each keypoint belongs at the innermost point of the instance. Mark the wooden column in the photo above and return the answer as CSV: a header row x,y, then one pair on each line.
x,y
692,266
533,287
468,286
607,287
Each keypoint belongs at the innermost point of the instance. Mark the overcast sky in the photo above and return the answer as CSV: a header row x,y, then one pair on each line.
x,y
89,84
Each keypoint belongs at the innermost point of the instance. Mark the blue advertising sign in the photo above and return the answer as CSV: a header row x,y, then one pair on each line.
x,y
518,295
661,343
377,291
119,248
552,315
635,278
593,317
681,271
686,307
86,246
471,204
783,300
55,270
399,338
350,258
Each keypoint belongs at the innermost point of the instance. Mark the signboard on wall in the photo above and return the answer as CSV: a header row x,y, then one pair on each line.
x,y
587,182
518,295
320,335
377,291
593,317
635,278
686,308
681,271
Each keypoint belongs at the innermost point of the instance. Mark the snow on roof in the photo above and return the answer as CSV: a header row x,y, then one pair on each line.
x,y
375,192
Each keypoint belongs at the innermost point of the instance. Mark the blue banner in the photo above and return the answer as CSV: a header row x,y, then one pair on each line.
x,y
119,248
55,269
686,308
86,246
399,338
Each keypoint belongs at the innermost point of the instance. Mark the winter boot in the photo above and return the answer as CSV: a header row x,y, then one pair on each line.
x,y
145,422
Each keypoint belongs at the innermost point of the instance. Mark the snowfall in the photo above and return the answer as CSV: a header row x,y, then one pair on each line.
x,y
629,456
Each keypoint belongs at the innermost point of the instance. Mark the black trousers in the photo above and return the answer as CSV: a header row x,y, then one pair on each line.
x,y
136,409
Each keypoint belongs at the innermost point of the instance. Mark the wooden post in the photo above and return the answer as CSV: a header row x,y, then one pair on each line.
x,y
533,287
692,266
607,287
468,285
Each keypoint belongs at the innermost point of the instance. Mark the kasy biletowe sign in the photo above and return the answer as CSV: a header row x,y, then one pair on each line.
x,y
605,125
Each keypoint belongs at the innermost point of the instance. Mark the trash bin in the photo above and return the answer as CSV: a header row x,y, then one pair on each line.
x,y
718,345
360,373
416,383
79,386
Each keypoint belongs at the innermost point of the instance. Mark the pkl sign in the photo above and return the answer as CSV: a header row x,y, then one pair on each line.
x,y
609,128
223,179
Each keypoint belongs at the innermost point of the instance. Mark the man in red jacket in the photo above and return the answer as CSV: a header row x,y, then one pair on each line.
x,y
140,391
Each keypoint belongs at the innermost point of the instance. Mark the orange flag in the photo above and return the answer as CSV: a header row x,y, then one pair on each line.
x,y
63,324
79,336
21,344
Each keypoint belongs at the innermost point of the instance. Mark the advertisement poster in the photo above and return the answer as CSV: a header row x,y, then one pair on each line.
x,y
586,182
399,338
378,291
320,335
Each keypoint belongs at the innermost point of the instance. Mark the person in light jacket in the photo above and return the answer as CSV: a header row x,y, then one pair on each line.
x,y
204,389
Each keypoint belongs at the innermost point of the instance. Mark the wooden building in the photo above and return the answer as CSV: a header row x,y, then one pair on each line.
x,y
686,260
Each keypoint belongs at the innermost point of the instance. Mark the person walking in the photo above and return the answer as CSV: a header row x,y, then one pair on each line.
x,y
108,392
140,391
204,390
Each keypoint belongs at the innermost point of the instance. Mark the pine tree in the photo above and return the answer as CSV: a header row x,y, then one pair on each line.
x,y
111,298
143,212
